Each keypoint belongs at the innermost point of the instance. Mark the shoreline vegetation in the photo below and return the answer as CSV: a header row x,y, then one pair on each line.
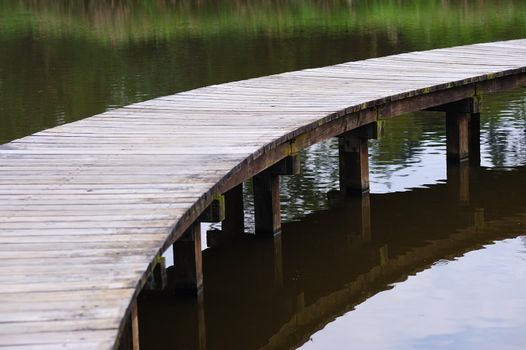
x,y
114,22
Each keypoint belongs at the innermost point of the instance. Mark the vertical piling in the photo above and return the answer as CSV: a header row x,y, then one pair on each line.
x,y
266,204
457,136
266,195
234,222
462,130
188,278
129,338
354,164
353,151
135,325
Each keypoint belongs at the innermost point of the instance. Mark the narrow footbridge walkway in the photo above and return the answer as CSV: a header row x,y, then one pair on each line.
x,y
86,208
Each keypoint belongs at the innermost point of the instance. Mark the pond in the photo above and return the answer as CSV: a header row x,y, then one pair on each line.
x,y
441,264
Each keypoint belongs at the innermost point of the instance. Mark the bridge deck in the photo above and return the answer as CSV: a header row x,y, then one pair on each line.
x,y
85,207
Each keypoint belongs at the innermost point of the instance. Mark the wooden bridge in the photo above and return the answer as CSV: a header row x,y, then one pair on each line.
x,y
87,208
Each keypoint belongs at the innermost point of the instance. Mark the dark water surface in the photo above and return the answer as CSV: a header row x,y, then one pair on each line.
x,y
442,264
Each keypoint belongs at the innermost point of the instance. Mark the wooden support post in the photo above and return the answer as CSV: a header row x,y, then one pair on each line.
x,y
266,196
135,325
234,222
457,136
129,338
462,129
266,204
354,163
159,274
188,277
231,212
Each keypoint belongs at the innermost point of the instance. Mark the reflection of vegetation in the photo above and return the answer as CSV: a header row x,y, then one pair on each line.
x,y
401,139
503,124
307,193
440,22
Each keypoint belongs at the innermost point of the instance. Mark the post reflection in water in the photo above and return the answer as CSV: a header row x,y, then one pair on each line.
x,y
278,293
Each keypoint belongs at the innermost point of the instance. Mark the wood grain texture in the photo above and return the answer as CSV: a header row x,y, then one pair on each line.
x,y
86,207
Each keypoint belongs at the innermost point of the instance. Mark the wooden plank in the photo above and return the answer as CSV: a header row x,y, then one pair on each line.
x,y
29,261
44,338
36,327
19,256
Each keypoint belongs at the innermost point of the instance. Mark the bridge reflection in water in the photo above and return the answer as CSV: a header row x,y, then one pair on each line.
x,y
275,294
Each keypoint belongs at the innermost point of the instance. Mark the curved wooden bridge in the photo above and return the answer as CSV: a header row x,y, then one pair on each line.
x,y
87,208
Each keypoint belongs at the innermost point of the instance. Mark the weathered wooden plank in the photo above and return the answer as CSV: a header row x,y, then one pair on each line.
x,y
30,260
19,256
93,336
89,224
80,239
34,328
78,345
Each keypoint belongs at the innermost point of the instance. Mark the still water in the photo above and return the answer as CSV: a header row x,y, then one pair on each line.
x,y
432,259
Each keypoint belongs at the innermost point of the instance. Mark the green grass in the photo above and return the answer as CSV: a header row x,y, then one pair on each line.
x,y
146,20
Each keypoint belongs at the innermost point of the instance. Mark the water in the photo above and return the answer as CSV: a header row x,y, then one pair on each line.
x,y
429,263
440,264
455,313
